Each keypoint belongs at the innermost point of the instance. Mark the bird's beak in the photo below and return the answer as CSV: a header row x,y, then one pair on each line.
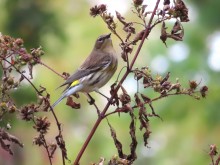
x,y
108,35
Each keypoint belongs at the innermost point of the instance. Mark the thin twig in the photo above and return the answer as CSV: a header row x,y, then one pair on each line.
x,y
59,129
38,92
112,30
159,21
46,147
51,69
152,100
45,144
138,23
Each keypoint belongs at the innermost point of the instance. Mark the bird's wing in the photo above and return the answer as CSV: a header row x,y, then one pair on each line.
x,y
88,67
96,57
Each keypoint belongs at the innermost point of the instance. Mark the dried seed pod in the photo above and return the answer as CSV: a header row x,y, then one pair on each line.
x,y
138,2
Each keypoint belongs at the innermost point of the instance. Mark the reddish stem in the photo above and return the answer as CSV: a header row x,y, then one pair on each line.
x,y
102,115
40,62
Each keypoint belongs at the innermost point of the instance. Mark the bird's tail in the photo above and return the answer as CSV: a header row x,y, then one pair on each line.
x,y
58,101
68,92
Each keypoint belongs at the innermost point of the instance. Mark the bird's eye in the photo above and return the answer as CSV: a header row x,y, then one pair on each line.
x,y
100,40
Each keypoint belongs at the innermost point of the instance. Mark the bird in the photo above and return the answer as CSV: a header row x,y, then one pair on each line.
x,y
95,71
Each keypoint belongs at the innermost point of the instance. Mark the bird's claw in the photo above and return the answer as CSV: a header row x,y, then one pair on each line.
x,y
91,101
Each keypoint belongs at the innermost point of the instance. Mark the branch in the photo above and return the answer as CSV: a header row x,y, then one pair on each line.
x,y
40,62
35,88
46,100
102,115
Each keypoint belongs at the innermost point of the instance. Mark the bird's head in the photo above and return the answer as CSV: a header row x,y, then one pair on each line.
x,y
103,42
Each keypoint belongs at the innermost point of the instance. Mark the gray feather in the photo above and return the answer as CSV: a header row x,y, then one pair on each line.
x,y
68,92
89,66
58,101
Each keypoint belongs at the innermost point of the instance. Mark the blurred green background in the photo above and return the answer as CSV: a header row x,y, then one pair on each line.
x,y
67,33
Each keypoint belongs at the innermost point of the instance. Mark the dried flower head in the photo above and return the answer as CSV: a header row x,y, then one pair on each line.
x,y
213,150
138,2
193,85
181,11
26,113
19,42
42,125
97,10
38,140
203,91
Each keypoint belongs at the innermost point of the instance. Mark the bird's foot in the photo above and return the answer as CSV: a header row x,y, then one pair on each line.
x,y
91,101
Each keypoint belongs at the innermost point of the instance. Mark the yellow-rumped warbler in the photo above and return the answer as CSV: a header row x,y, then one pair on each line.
x,y
95,72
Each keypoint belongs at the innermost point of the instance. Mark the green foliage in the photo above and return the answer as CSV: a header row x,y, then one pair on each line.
x,y
67,33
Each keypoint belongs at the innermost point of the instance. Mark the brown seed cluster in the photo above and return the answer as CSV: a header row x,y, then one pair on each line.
x,y
97,10
42,125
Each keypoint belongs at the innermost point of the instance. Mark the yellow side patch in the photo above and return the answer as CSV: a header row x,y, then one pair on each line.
x,y
74,83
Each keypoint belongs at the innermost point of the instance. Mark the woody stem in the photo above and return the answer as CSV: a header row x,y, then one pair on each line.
x,y
102,115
